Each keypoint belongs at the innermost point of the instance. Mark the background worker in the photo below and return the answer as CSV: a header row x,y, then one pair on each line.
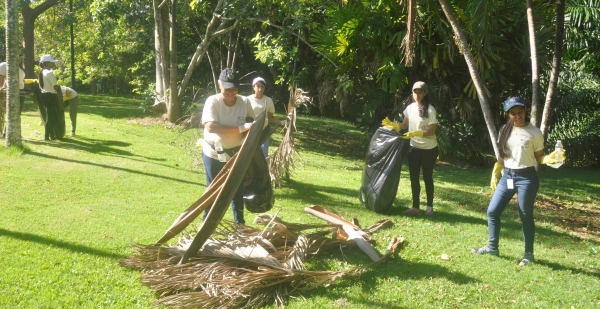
x,y
71,100
262,102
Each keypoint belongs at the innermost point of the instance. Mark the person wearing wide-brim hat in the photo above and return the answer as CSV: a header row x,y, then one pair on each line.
x,y
225,117
521,148
260,102
420,118
54,128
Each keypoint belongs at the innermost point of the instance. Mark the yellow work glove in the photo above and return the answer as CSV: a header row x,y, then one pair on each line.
x,y
28,81
390,125
408,135
551,158
496,174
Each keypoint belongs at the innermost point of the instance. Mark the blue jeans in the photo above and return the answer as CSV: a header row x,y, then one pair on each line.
x,y
265,148
526,185
213,167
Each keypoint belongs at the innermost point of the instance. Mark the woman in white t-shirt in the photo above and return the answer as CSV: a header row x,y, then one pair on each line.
x,y
521,148
70,99
421,122
225,117
261,102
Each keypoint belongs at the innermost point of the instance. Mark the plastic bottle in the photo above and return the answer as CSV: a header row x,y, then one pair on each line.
x,y
558,158
220,152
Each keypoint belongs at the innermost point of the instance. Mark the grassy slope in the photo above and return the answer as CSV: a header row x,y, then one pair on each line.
x,y
70,209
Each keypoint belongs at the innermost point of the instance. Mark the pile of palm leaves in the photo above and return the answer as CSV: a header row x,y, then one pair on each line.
x,y
243,267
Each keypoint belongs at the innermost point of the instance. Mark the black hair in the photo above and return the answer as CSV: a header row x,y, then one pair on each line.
x,y
504,134
423,109
41,76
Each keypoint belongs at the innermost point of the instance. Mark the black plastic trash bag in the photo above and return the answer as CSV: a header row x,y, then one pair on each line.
x,y
381,174
258,191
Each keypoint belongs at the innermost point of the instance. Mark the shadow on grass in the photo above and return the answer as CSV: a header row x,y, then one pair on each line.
x,y
556,266
58,244
100,147
43,155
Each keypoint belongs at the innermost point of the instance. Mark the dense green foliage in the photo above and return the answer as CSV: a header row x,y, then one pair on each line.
x,y
348,55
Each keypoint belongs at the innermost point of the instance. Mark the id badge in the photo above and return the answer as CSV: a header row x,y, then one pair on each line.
x,y
510,183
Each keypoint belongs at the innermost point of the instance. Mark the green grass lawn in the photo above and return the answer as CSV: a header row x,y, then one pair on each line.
x,y
71,209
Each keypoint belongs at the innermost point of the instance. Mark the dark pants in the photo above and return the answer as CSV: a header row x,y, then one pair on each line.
x,y
425,159
52,125
213,167
526,185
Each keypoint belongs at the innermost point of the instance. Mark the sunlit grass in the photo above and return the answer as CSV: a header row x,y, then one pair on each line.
x,y
72,208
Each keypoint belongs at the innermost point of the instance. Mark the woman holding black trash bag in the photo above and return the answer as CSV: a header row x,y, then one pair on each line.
x,y
521,148
225,117
421,122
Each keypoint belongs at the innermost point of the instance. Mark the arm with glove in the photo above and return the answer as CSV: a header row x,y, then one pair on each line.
x,y
551,158
496,174
421,133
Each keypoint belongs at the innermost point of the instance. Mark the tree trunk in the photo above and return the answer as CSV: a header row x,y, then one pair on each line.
x,y
72,47
174,110
13,123
29,17
535,75
160,49
466,51
556,64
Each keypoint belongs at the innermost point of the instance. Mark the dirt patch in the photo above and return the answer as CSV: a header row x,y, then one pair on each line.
x,y
576,218
151,120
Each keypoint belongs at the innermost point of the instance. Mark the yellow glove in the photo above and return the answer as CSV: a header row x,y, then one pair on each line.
x,y
408,135
496,174
28,81
390,125
551,158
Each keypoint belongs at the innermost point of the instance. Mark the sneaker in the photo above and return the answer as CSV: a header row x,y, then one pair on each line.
x,y
527,259
485,250
429,211
412,211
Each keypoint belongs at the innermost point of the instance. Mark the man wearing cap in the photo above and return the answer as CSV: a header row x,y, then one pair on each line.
x,y
260,102
225,117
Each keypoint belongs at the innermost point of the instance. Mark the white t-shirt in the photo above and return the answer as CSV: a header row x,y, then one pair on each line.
x,y
258,105
67,93
3,71
522,144
49,81
215,110
415,123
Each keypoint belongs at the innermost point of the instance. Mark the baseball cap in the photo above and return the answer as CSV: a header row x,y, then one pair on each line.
x,y
228,79
420,85
47,58
512,102
258,79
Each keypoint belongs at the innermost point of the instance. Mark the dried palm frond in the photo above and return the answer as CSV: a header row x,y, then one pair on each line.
x,y
241,266
282,161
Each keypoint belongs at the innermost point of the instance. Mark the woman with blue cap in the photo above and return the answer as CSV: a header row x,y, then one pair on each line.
x,y
521,148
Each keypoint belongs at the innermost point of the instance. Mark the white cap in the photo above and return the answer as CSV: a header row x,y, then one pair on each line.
x,y
258,79
47,58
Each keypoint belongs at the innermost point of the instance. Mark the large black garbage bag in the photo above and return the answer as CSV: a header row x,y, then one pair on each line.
x,y
258,191
381,174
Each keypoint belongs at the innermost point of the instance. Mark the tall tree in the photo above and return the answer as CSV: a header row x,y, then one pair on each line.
x,y
464,47
535,75
174,108
13,123
556,64
29,16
